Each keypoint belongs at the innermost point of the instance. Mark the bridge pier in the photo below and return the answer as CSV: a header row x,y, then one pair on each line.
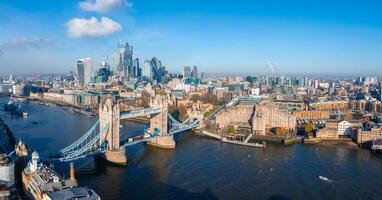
x,y
117,157
109,113
166,142
160,122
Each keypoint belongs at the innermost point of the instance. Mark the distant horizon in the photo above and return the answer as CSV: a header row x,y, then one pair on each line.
x,y
240,37
223,75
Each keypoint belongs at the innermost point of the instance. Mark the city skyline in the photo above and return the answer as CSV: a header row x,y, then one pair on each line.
x,y
251,37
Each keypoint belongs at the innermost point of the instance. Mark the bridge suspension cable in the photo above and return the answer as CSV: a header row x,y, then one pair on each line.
x,y
81,139
90,147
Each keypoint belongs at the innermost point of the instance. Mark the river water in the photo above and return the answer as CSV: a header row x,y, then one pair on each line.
x,y
202,168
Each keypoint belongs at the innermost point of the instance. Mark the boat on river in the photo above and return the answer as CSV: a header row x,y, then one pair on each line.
x,y
15,109
323,178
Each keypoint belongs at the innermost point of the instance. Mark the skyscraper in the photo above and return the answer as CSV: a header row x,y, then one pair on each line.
x,y
153,69
123,61
156,65
84,70
136,68
187,72
194,73
147,70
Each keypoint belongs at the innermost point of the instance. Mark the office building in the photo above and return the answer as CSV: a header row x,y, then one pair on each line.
x,y
84,70
187,72
147,70
194,72
136,68
123,61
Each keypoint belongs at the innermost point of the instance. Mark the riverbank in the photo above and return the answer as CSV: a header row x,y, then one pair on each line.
x,y
341,142
347,143
70,107
7,140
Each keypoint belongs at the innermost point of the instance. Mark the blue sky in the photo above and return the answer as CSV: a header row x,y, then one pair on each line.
x,y
224,37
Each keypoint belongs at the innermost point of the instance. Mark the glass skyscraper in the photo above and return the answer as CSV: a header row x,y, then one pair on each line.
x,y
123,61
186,72
84,70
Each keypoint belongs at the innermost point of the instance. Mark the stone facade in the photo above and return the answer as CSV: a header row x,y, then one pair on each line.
x,y
312,115
366,136
159,120
331,105
268,115
109,113
236,115
338,128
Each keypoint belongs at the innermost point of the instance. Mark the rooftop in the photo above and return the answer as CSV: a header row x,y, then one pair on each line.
x,y
80,193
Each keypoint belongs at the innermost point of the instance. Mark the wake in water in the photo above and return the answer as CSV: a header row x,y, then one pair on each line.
x,y
323,178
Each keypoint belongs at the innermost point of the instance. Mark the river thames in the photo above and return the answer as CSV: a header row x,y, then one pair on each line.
x,y
202,168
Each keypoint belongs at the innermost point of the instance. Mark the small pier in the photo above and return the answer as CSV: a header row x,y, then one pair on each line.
x,y
226,140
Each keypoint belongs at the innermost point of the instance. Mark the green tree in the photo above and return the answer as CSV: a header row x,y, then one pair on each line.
x,y
231,129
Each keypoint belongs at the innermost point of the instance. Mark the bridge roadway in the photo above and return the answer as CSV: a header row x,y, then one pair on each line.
x,y
139,113
89,144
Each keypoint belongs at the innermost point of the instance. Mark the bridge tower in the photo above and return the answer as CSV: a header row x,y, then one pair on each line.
x,y
160,122
109,113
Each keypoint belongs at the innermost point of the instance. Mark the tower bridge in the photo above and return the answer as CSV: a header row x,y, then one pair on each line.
x,y
103,138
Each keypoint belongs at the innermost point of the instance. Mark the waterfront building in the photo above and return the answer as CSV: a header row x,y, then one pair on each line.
x,y
344,128
18,89
7,172
84,70
51,96
5,88
42,182
363,136
268,115
335,129
235,116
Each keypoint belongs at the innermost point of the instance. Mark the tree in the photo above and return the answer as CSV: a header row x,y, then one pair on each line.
x,y
195,97
231,129
309,128
280,131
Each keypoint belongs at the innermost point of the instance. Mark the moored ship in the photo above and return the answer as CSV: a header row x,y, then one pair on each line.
x,y
15,109
42,183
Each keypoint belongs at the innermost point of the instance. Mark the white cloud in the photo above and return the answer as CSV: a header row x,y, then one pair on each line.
x,y
80,27
26,42
103,6
23,43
